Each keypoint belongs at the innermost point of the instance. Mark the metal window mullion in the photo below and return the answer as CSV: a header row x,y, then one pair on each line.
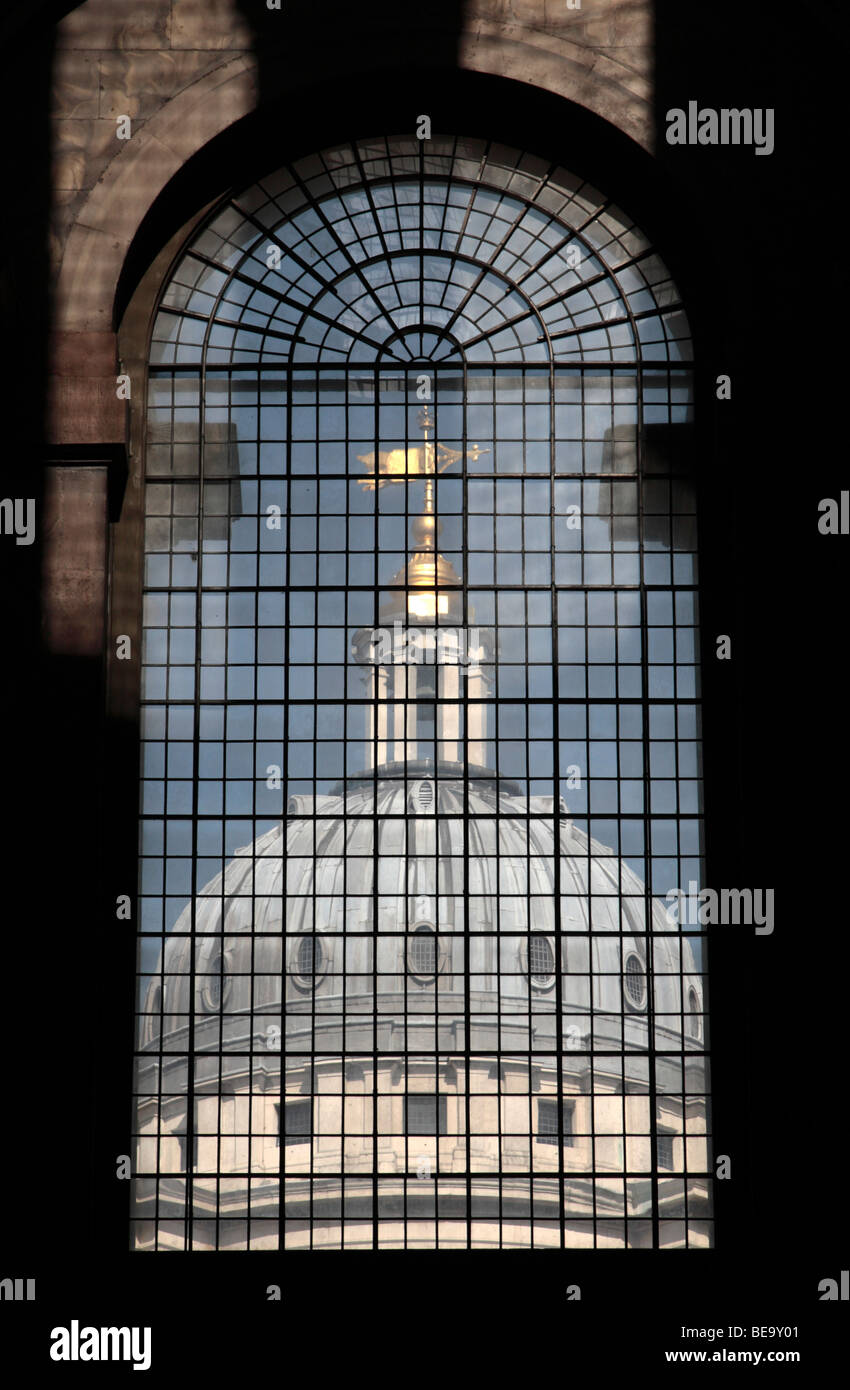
x,y
463,685
376,829
286,470
191,1100
556,817
647,896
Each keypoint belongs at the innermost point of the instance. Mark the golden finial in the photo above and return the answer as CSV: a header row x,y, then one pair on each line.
x,y
415,460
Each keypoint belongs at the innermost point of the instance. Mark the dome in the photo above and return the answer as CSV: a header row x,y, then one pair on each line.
x,y
286,936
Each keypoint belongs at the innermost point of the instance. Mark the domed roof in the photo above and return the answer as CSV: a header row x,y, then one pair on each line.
x,y
418,851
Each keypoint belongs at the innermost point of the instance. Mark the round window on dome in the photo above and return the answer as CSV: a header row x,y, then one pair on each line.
x,y
422,952
541,960
635,982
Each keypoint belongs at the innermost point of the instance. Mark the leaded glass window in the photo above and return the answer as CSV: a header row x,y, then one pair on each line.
x,y
420,647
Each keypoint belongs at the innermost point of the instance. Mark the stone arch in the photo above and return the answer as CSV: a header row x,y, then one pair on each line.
x,y
586,69
111,215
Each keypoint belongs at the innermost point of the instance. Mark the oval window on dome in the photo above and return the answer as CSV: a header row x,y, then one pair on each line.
x,y
422,952
635,982
212,984
693,1013
309,958
541,960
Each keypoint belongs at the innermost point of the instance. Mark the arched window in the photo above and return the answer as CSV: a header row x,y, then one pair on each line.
x,y
421,568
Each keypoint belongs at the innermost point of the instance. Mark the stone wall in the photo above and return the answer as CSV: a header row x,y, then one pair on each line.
x,y
183,71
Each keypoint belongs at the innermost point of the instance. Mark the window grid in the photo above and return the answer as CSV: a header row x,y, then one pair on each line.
x,y
273,686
